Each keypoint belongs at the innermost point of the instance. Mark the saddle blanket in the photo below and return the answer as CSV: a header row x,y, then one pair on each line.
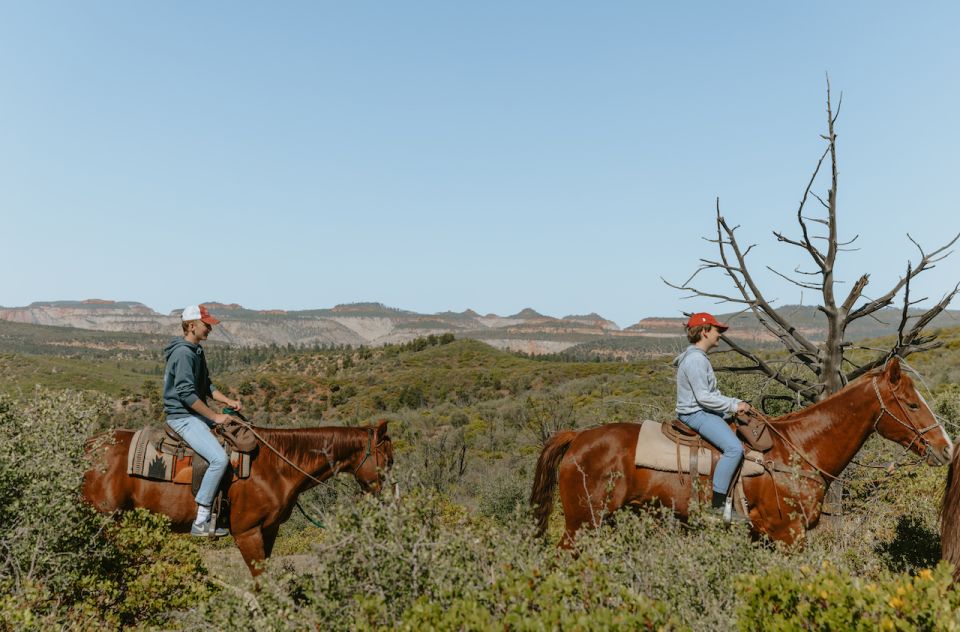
x,y
657,452
152,456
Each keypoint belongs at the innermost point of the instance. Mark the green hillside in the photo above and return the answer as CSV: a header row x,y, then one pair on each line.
x,y
468,422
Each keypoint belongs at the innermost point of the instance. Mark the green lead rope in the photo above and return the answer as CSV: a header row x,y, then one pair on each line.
x,y
316,523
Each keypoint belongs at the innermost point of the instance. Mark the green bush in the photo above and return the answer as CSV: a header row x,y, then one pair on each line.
x,y
832,599
61,563
424,563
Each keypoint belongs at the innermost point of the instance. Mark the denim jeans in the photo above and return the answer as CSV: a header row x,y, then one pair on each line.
x,y
196,432
714,429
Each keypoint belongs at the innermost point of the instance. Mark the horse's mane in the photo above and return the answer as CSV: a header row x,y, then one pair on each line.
x,y
803,412
334,442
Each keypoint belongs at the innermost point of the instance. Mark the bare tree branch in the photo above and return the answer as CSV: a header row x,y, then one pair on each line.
x,y
806,286
748,288
795,384
926,262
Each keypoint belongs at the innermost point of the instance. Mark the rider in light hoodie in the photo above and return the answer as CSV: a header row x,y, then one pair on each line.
x,y
702,407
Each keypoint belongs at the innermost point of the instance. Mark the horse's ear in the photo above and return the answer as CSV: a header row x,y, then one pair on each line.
x,y
381,429
892,370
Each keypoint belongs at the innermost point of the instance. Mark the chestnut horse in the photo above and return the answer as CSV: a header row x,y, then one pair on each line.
x,y
950,517
597,476
258,504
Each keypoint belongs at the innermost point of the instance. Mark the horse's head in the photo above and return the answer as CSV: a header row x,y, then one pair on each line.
x,y
377,458
906,418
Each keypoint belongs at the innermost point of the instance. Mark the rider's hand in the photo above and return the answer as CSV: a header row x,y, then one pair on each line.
x,y
222,418
236,405
744,407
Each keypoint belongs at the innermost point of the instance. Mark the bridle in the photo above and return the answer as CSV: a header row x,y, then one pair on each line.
x,y
371,449
918,432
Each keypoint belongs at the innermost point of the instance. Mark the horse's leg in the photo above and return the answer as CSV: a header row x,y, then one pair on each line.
x,y
251,547
270,538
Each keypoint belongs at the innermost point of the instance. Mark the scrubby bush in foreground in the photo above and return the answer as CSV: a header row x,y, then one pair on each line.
x,y
62,564
832,599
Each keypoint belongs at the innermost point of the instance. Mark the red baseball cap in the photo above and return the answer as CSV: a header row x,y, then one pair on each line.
x,y
703,318
198,312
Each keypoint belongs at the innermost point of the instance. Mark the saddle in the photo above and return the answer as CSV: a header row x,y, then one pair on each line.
x,y
751,429
674,447
162,455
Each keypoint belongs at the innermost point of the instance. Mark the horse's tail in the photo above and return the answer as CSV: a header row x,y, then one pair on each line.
x,y
950,517
545,478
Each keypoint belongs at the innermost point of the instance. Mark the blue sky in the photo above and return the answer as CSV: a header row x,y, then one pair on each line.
x,y
444,155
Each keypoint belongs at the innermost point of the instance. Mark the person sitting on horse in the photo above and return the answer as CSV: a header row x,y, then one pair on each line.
x,y
702,407
186,386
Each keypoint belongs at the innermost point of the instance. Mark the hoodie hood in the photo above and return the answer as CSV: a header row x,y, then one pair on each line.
x,y
686,352
176,343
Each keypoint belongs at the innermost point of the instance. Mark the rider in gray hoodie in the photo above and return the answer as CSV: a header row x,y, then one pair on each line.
x,y
186,387
702,407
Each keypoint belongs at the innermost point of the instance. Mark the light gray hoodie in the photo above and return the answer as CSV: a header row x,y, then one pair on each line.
x,y
697,385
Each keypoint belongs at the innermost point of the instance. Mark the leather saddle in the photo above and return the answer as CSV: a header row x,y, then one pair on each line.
x,y
162,455
752,431
232,436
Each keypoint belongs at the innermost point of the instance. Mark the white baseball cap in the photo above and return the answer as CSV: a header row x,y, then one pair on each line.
x,y
198,312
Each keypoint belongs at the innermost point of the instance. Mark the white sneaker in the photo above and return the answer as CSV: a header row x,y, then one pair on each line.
x,y
206,530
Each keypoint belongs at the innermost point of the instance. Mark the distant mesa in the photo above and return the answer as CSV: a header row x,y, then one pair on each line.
x,y
527,313
593,319
216,305
363,307
373,323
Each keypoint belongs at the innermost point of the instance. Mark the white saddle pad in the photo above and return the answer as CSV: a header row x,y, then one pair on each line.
x,y
657,452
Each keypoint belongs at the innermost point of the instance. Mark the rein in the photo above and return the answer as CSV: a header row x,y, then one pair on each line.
x,y
773,466
883,410
370,431
366,454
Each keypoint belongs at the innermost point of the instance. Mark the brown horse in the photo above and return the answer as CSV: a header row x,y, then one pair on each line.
x,y
950,517
261,503
597,475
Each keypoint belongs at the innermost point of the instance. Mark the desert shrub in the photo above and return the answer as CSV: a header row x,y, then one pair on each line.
x,y
62,564
577,598
504,498
947,407
422,562
829,598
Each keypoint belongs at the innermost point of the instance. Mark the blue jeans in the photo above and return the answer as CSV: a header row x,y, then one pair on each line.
x,y
714,429
196,432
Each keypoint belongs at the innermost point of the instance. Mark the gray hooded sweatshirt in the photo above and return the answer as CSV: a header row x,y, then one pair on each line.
x,y
185,378
697,385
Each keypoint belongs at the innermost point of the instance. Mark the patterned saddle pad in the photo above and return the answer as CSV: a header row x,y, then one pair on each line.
x,y
656,451
154,455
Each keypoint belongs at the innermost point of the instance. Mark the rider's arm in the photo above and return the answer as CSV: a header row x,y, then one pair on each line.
x,y
223,399
707,395
201,408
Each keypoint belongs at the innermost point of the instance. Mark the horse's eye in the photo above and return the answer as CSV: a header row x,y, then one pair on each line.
x,y
913,406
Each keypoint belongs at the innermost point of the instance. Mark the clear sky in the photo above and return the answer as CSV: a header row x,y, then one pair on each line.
x,y
451,155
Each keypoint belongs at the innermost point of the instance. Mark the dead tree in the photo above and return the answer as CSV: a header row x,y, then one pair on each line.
x,y
824,367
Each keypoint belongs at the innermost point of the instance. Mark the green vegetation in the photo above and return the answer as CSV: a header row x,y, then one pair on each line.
x,y
456,552
61,564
